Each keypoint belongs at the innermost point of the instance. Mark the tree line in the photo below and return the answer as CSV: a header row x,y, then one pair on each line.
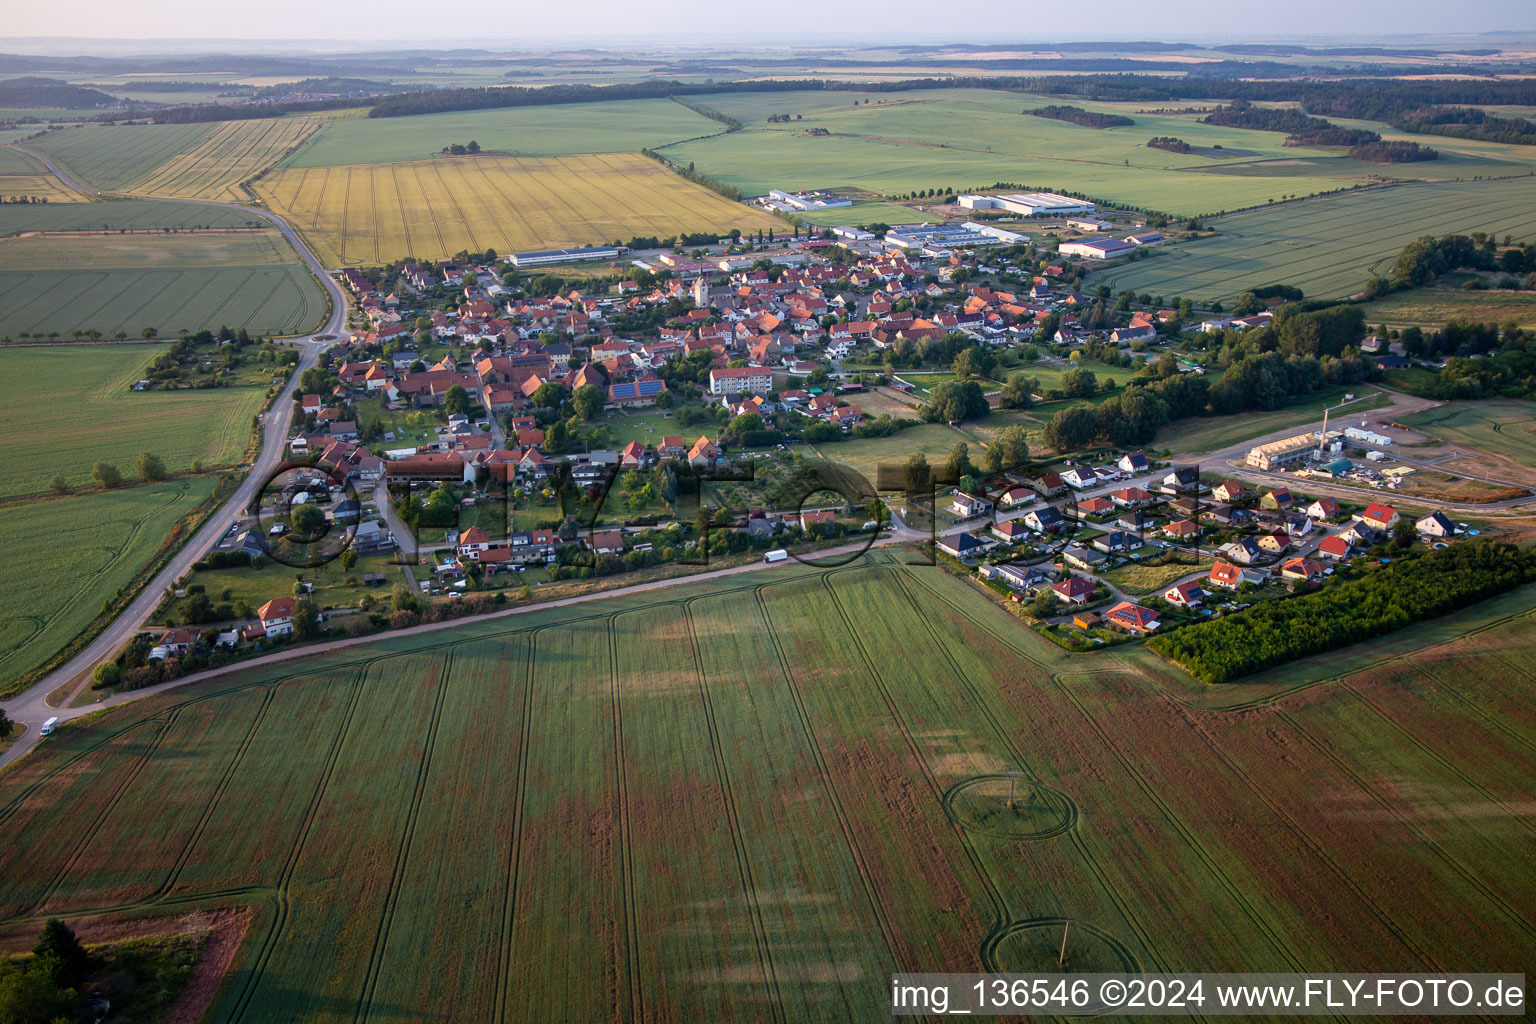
x,y
1411,590
1077,115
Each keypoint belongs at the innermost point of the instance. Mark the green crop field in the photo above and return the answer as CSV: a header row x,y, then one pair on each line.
x,y
1504,427
1328,247
110,157
115,282
968,138
1434,307
72,405
756,798
522,131
124,215
68,555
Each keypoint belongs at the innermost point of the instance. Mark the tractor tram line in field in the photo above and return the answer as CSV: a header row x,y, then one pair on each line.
x,y
633,988
1391,808
444,672
738,836
505,954
989,885
1382,915
813,744
306,827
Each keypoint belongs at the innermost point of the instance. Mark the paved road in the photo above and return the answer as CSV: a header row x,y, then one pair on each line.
x,y
31,708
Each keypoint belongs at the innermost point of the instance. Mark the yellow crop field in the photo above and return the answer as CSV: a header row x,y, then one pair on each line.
x,y
238,150
433,209
14,187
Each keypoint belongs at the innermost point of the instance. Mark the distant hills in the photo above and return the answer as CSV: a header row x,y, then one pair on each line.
x,y
50,92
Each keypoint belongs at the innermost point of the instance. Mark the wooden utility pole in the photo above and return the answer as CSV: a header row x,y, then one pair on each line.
x,y
1061,960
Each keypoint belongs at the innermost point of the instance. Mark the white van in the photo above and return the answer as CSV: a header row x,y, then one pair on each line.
x,y
48,727
776,555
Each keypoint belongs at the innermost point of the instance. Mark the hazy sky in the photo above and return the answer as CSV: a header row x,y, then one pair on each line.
x,y
806,22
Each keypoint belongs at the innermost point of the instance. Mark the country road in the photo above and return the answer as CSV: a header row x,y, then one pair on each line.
x,y
31,708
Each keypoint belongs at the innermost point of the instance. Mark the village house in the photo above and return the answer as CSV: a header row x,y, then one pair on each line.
x,y
1015,497
1434,525
1011,531
1225,575
1335,549
1132,618
1015,577
967,506
1229,491
276,616
1380,517
1075,589
1185,595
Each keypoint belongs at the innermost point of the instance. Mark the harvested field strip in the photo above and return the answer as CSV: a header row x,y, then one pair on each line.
x,y
215,166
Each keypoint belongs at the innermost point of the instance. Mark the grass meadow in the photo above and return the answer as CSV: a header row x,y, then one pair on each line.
x,y
72,405
66,556
373,213
1328,247
752,798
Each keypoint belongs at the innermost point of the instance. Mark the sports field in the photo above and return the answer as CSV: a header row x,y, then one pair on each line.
x,y
755,799
612,127
1328,247
432,209
116,282
66,556
1504,427
70,405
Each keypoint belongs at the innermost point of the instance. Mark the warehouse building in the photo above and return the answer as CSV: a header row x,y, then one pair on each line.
x,y
1029,204
1096,249
937,237
552,256
787,202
